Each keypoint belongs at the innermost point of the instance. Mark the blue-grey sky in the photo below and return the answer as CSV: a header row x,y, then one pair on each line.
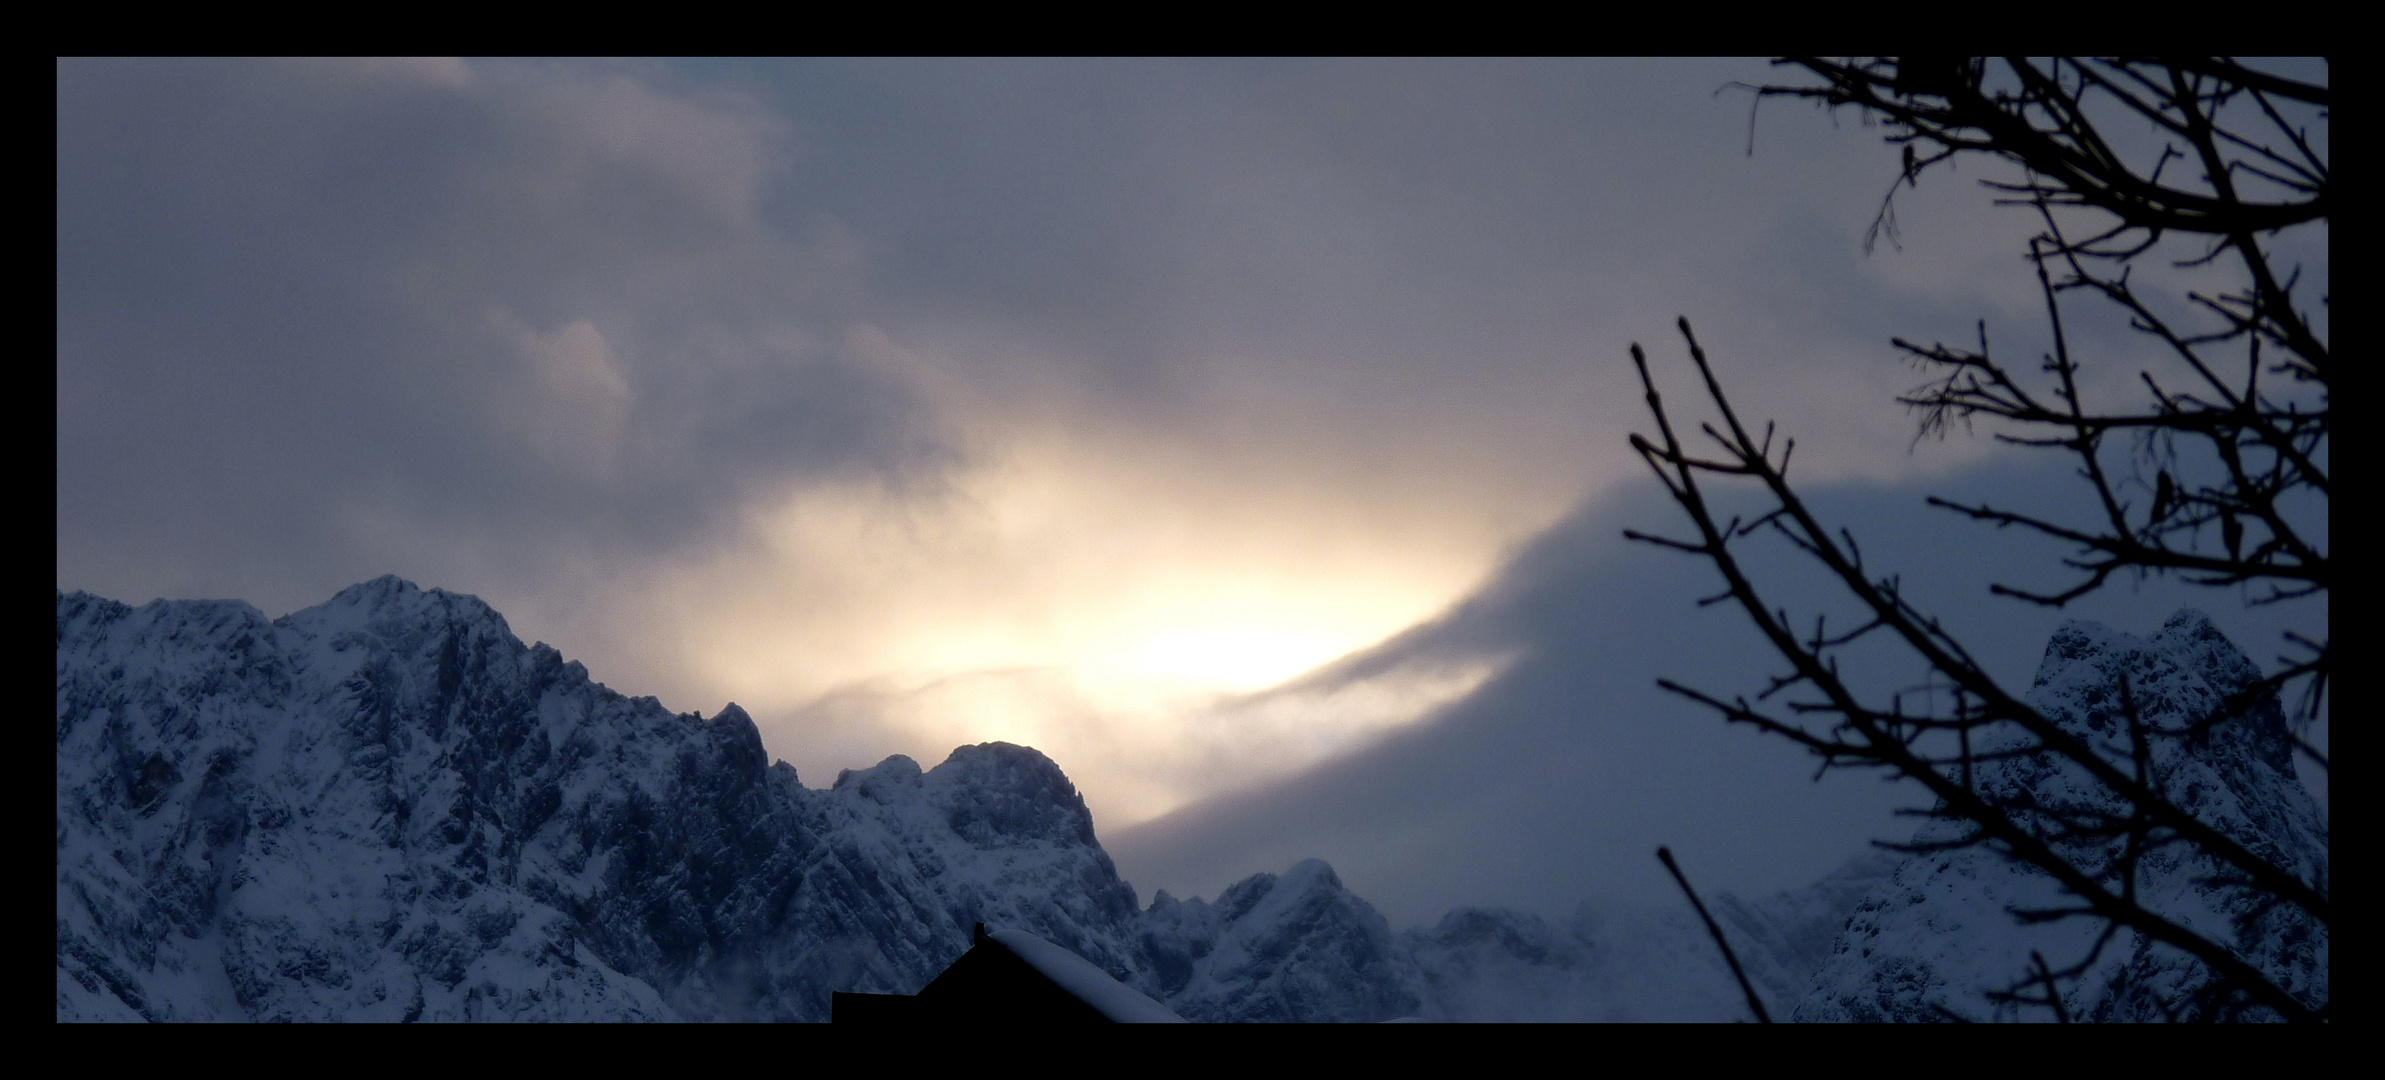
x,y
1073,403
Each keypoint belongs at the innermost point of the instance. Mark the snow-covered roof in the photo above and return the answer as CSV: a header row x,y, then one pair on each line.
x,y
1113,999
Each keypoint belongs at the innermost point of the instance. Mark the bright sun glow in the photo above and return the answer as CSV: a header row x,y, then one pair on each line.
x,y
1121,612
1234,657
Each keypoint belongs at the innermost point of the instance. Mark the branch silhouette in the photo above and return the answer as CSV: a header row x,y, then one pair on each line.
x,y
1755,1003
2217,474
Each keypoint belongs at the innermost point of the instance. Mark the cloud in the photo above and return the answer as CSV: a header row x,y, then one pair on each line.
x,y
1555,780
916,403
531,310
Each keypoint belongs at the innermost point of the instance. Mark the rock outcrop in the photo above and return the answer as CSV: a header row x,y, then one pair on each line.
x,y
1939,935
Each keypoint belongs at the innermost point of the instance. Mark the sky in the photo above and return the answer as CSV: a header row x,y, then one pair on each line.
x,y
1248,436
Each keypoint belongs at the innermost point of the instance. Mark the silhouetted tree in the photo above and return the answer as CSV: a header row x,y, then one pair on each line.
x,y
2216,472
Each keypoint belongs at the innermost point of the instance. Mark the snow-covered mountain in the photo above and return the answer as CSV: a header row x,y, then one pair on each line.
x,y
389,807
1938,935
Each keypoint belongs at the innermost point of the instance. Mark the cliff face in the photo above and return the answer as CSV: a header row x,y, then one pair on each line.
x,y
1938,935
388,807
1299,947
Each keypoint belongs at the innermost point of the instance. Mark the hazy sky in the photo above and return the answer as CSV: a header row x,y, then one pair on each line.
x,y
1070,403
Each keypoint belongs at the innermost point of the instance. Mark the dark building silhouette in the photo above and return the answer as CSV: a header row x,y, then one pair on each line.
x,y
1009,976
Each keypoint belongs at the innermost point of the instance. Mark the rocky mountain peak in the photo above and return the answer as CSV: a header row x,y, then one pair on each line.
x,y
998,793
2215,745
387,807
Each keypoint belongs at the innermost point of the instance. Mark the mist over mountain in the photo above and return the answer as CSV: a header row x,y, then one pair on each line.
x,y
1557,778
388,807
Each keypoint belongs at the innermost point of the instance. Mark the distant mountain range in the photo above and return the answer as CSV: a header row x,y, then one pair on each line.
x,y
388,807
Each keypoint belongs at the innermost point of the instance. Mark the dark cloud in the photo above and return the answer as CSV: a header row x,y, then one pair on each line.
x,y
569,335
1374,238
530,308
1556,780
520,310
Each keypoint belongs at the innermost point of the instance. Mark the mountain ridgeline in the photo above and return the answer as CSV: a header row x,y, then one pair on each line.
x,y
388,807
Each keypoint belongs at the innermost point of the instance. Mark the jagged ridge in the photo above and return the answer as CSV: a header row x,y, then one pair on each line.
x,y
389,807
1938,935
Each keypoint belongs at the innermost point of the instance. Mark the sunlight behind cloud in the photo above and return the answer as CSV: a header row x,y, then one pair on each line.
x,y
1137,745
1237,657
1083,592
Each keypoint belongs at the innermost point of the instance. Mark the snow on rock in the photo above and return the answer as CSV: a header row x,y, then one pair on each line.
x,y
1296,947
388,807
1938,935
1614,963
1113,999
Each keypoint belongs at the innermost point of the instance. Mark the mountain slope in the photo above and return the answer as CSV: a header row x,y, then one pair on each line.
x,y
1935,938
388,807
